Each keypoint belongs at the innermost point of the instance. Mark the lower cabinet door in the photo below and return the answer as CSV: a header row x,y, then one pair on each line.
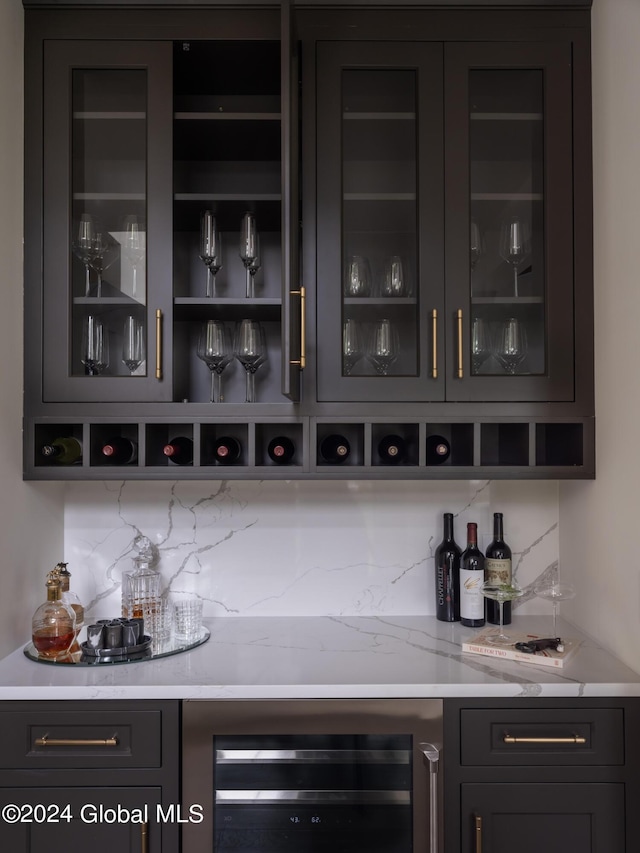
x,y
91,819
530,818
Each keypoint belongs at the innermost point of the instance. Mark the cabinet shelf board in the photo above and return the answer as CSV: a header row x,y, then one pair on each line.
x,y
104,301
507,300
109,197
193,308
227,197
379,197
222,116
506,116
111,115
372,116
406,301
507,196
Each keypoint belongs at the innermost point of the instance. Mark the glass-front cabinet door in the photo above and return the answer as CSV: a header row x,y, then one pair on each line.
x,y
106,284
379,250
509,235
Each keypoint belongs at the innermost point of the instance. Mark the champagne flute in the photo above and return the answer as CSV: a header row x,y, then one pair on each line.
x,y
82,245
134,246
251,351
394,282
214,348
249,248
210,249
512,345
554,591
515,246
480,343
384,347
133,349
95,346
358,277
352,349
501,592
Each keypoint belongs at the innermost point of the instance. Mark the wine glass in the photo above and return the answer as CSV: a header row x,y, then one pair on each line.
x,y
476,244
210,249
254,266
214,348
103,254
480,343
358,277
394,281
249,250
501,592
250,348
352,348
95,346
515,245
554,591
82,245
134,246
384,347
511,348
133,349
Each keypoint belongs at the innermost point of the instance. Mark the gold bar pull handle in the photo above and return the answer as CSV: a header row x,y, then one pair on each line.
x,y
45,740
434,339
158,344
507,738
460,371
144,837
302,361
477,827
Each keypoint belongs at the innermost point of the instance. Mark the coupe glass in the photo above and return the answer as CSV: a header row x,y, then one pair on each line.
x,y
384,347
214,348
515,245
95,346
250,349
133,349
210,249
394,279
501,592
82,245
249,249
480,343
357,281
554,591
134,247
352,348
511,349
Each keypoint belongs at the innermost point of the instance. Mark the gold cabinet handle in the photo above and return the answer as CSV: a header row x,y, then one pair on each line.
x,y
158,344
477,822
144,838
45,740
507,738
434,338
460,372
302,361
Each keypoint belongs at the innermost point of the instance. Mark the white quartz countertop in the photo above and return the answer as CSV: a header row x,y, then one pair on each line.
x,y
327,657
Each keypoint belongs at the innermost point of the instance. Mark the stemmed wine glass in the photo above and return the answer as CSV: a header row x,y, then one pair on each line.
x,y
357,280
501,592
476,244
250,348
352,349
511,347
480,343
394,280
249,250
384,347
554,591
103,254
515,246
134,247
210,249
133,349
95,346
214,348
82,245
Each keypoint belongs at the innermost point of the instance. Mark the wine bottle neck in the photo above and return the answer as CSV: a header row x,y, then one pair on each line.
x,y
498,532
472,535
448,525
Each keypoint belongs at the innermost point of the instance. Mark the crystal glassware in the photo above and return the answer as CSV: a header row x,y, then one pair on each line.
x,y
352,347
84,232
133,349
103,254
134,247
394,278
554,591
501,592
214,348
95,346
250,349
357,280
384,347
53,626
141,587
249,249
515,245
210,249
476,244
480,343
511,348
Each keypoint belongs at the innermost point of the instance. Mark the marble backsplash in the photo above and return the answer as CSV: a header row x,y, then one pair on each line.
x,y
295,548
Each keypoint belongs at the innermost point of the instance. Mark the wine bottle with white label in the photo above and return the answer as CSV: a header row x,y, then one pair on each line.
x,y
471,580
497,569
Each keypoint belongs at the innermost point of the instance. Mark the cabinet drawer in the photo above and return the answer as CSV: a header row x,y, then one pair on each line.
x,y
545,736
80,739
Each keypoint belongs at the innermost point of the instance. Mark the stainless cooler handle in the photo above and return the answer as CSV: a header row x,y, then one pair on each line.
x,y
431,753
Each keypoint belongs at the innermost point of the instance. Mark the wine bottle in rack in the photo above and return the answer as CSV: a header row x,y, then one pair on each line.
x,y
334,449
281,450
471,580
179,450
226,450
438,449
392,449
447,559
119,450
497,569
64,450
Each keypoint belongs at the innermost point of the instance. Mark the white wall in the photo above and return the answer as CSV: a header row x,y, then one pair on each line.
x,y
599,520
31,521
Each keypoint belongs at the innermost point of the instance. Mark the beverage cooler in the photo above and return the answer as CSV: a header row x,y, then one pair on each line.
x,y
312,776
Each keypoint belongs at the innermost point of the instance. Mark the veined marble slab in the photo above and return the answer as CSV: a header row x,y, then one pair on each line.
x,y
328,657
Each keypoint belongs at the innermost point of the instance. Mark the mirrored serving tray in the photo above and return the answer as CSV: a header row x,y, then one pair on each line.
x,y
156,649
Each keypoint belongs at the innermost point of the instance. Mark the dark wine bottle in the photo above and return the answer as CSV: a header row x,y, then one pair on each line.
x,y
226,450
281,450
179,450
392,449
334,449
497,569
438,450
448,575
471,580
119,450
64,450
